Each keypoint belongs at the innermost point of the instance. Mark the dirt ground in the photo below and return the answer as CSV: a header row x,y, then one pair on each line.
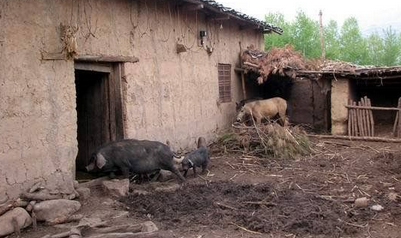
x,y
244,196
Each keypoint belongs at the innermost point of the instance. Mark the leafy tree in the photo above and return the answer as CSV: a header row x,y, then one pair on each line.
x,y
306,36
353,45
332,41
391,48
276,40
375,48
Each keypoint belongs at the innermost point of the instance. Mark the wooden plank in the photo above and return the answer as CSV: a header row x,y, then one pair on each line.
x,y
105,118
375,108
104,68
118,69
107,58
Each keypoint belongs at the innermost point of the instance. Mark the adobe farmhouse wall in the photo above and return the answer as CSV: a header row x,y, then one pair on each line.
x,y
340,94
167,96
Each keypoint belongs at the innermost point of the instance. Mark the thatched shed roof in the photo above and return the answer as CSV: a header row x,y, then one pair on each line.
x,y
278,61
289,63
330,68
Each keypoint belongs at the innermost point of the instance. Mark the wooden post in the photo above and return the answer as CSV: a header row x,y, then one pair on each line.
x,y
354,120
243,85
321,35
360,121
371,117
399,118
349,119
365,117
242,72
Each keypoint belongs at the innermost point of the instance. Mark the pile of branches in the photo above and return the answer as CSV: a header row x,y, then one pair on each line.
x,y
278,61
266,140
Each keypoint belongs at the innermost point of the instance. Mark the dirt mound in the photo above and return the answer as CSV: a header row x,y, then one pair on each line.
x,y
261,208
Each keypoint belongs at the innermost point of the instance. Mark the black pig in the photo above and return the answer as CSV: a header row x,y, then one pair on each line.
x,y
197,158
136,156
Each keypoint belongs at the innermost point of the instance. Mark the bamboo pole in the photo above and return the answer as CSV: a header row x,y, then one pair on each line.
x,y
371,117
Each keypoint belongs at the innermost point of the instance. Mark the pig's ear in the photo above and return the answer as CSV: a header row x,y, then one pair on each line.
x,y
100,161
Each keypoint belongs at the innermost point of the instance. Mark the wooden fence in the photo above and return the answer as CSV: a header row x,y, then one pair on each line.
x,y
360,118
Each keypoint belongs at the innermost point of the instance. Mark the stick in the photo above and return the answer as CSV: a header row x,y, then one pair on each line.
x,y
375,108
251,65
349,119
270,204
225,206
377,139
371,118
357,133
243,228
368,116
360,120
399,119
365,117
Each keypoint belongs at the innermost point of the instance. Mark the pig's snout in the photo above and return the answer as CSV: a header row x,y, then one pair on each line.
x,y
90,167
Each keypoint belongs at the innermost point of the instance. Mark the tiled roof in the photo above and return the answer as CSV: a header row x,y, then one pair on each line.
x,y
263,26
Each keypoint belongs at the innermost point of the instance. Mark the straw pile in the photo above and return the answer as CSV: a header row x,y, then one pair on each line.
x,y
266,140
278,61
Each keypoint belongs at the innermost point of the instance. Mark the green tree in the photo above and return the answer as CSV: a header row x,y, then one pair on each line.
x,y
306,36
274,39
375,49
353,46
391,47
332,41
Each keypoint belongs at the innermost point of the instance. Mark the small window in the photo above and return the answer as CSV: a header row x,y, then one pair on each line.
x,y
224,82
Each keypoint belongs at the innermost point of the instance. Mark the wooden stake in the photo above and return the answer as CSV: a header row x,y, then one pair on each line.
x,y
354,120
371,118
399,118
365,117
349,119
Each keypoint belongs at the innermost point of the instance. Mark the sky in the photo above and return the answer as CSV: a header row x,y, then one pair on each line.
x,y
371,15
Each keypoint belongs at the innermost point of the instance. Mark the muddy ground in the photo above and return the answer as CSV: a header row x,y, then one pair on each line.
x,y
244,196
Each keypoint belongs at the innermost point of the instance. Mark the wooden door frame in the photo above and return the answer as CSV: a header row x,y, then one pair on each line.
x,y
115,99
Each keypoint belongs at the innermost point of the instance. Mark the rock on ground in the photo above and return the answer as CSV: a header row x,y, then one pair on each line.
x,y
22,217
84,193
53,210
115,187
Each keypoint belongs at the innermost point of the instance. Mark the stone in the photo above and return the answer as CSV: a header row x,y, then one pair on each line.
x,y
76,184
115,187
168,189
149,226
84,193
165,175
361,202
55,210
22,217
377,208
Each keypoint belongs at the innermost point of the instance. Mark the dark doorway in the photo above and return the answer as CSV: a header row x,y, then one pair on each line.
x,y
99,116
382,93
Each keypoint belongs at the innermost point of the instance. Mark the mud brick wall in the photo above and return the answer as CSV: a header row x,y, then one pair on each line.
x,y
166,95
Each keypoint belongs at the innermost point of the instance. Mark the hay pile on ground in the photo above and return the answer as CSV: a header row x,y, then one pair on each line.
x,y
279,61
266,140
